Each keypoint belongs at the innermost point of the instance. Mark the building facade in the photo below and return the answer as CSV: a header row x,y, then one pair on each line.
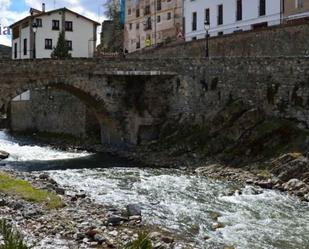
x,y
295,9
36,35
149,23
229,16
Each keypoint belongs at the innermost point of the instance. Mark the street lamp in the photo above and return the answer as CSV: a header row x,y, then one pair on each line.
x,y
207,27
34,29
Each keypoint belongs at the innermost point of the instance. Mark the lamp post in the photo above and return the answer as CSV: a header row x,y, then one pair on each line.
x,y
34,29
207,27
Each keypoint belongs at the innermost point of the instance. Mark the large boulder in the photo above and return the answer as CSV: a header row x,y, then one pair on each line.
x,y
290,166
134,210
3,155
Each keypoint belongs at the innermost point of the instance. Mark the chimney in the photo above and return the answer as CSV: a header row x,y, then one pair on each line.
x,y
43,7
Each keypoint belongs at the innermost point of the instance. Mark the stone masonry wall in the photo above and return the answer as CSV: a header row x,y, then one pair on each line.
x,y
278,85
285,40
134,103
50,110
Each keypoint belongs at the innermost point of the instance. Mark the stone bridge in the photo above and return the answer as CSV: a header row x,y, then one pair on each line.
x,y
124,95
135,99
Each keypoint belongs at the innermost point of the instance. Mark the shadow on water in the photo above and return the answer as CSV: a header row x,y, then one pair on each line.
x,y
99,160
29,155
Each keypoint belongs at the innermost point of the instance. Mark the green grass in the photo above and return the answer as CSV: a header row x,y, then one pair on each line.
x,y
12,239
24,190
142,242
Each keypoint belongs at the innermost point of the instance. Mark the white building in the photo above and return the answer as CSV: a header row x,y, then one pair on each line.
x,y
29,42
228,16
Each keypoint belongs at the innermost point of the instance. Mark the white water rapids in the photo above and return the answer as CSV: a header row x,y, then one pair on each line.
x,y
182,203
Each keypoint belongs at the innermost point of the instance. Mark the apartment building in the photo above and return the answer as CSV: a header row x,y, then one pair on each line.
x,y
295,9
149,23
229,16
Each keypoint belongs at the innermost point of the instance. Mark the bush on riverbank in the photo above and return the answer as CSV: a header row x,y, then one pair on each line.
x,y
26,191
142,242
11,238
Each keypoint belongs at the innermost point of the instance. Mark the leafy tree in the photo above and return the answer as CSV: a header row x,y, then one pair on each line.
x,y
112,8
61,51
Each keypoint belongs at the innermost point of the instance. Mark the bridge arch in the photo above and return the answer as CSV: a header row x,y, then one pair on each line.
x,y
85,91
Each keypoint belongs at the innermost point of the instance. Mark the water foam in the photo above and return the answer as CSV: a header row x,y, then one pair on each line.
x,y
24,153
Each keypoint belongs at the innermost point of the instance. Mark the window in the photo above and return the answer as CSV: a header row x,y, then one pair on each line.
x,y
48,44
158,19
148,24
22,97
262,8
56,25
15,50
69,45
137,12
239,10
138,44
207,15
159,5
69,26
38,22
147,10
130,26
129,11
137,25
194,21
25,46
169,16
299,4
220,14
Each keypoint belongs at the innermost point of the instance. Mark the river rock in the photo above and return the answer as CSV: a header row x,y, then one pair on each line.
x,y
294,184
154,235
2,202
99,238
134,210
265,184
44,176
167,239
217,225
114,220
60,191
91,233
289,166
4,155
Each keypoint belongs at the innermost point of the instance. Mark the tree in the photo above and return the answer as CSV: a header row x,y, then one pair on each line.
x,y
112,8
61,51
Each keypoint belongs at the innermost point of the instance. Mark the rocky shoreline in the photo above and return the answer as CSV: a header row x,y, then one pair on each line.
x,y
82,223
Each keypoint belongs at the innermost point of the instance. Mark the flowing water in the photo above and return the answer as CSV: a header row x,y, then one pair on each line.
x,y
174,200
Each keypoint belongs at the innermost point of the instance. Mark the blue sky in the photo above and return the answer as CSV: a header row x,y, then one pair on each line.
x,y
14,10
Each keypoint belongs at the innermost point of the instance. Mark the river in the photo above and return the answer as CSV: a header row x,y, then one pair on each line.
x,y
172,199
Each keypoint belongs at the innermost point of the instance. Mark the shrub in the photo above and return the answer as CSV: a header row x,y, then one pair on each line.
x,y
142,242
11,238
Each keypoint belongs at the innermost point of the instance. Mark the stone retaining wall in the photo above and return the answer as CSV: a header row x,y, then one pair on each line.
x,y
284,40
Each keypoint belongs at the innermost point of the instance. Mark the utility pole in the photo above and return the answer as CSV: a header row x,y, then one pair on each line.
x,y
155,23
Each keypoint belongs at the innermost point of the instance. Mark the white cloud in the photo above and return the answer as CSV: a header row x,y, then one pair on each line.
x,y
7,17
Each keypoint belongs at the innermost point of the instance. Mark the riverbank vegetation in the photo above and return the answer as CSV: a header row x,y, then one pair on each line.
x,y
24,190
11,239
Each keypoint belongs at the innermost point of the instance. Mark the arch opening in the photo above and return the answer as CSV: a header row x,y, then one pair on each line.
x,y
60,108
